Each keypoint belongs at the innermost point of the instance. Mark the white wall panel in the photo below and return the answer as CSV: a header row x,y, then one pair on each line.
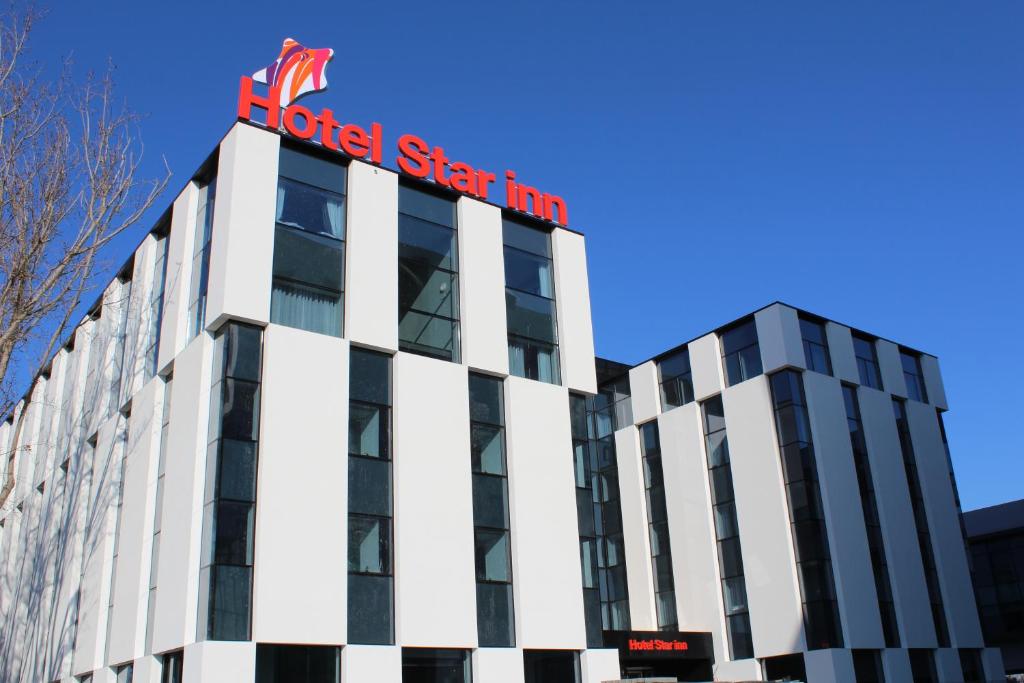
x,y
947,538
173,327
131,587
691,527
776,612
706,362
371,268
177,570
300,577
498,665
371,663
778,336
840,351
219,661
547,580
829,666
572,294
645,398
891,368
435,575
242,243
896,665
639,579
933,381
844,514
599,666
482,287
98,548
898,531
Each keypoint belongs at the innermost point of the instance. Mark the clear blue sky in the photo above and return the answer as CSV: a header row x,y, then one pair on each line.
x,y
864,161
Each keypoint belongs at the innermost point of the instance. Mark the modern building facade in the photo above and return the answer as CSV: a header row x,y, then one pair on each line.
x,y
771,499
995,536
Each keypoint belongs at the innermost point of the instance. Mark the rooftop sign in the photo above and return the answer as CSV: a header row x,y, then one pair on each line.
x,y
300,70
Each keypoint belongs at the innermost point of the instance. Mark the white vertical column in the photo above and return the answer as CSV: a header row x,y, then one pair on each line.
x,y
482,287
840,351
547,580
691,527
944,523
435,577
242,243
572,294
371,261
844,514
177,572
706,364
891,368
913,611
299,585
633,505
778,336
773,593
174,326
933,381
135,544
644,392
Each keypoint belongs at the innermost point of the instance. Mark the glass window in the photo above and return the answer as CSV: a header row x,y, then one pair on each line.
x,y
156,305
172,667
201,257
867,361
124,673
544,666
427,665
298,664
807,524
676,379
922,666
495,615
229,516
741,353
530,302
428,284
657,514
309,244
370,505
913,376
815,346
370,609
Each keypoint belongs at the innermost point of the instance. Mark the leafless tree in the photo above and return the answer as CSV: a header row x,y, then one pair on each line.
x,y
69,184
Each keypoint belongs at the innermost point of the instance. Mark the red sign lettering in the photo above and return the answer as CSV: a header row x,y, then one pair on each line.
x,y
415,157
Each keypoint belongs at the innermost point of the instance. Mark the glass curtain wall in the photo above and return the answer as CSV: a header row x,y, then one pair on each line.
x,y
492,538
924,538
727,530
309,244
371,507
530,302
657,520
225,576
428,274
584,467
872,522
806,513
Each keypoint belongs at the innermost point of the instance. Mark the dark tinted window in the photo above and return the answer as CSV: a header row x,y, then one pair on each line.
x,y
815,346
676,379
867,362
427,665
530,302
298,664
913,376
741,353
548,666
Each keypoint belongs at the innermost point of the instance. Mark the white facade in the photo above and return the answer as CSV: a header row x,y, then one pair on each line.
x,y
105,542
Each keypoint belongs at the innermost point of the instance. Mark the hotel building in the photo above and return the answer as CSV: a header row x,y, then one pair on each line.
x,y
333,423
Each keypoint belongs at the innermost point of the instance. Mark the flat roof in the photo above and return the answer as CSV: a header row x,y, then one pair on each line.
x,y
995,519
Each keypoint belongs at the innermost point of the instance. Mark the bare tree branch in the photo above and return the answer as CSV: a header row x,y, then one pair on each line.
x,y
70,159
